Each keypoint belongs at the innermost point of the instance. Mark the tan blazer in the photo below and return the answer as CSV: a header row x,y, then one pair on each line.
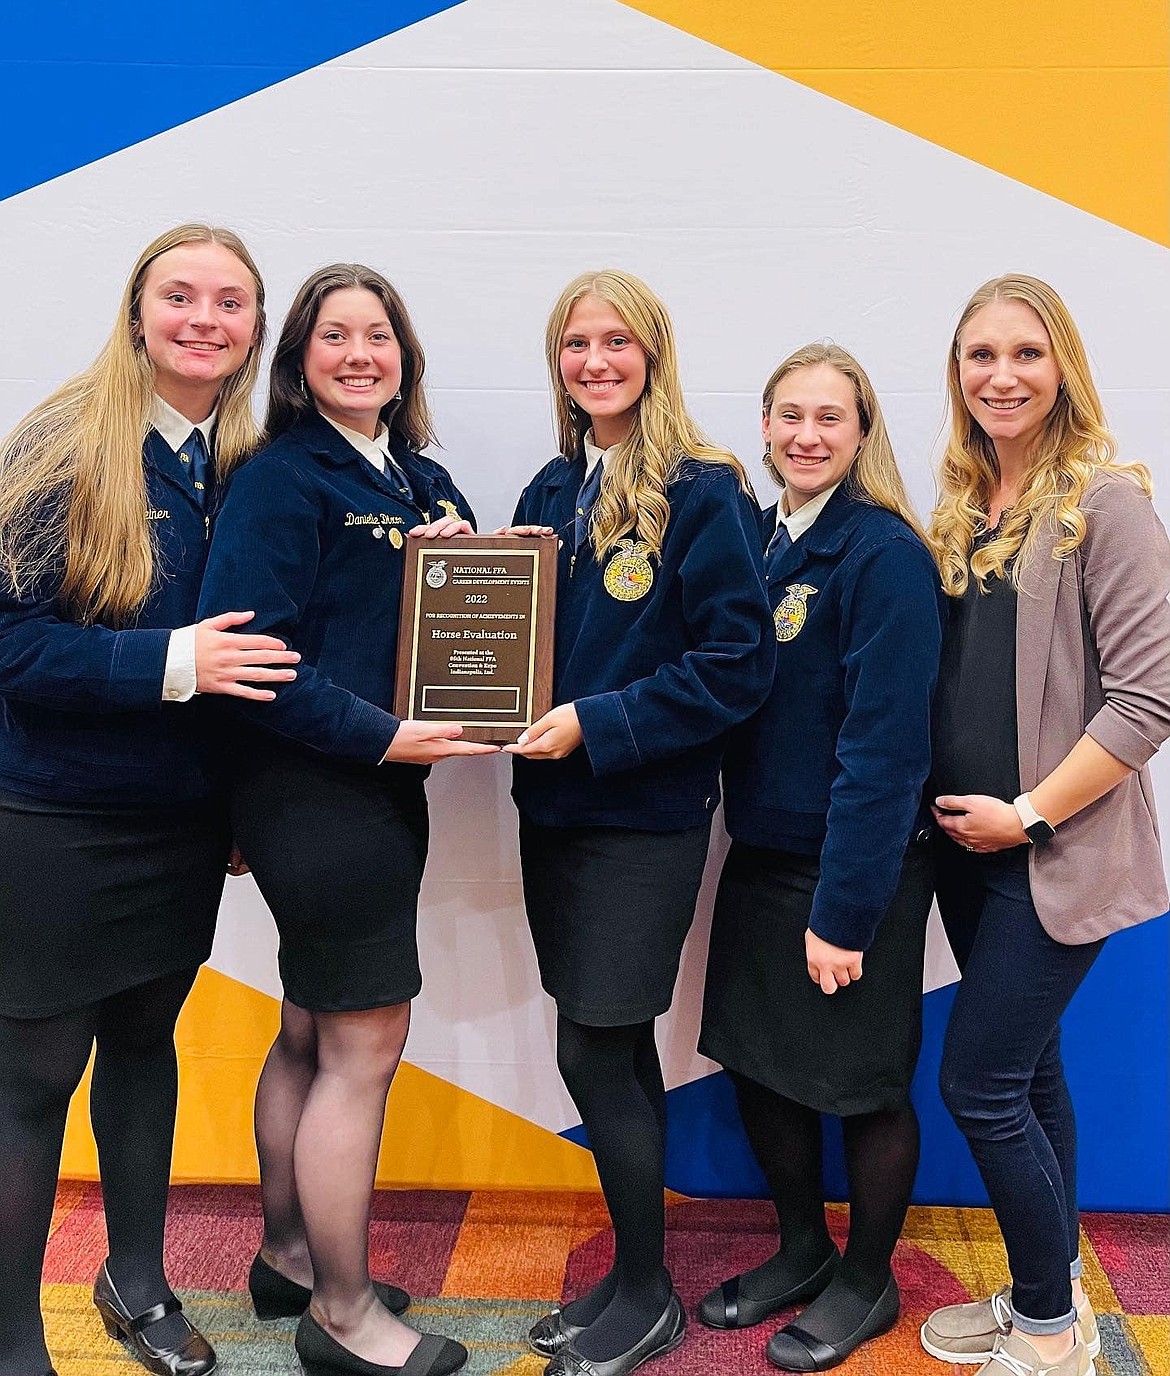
x,y
1093,655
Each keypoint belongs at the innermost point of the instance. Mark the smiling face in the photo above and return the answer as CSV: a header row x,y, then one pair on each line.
x,y
198,319
603,367
352,362
814,430
1008,375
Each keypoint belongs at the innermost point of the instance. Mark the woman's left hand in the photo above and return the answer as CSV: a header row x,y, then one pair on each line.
x,y
979,823
555,735
832,967
445,526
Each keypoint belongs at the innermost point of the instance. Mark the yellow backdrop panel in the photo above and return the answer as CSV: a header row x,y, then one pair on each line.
x,y
436,1133
1069,96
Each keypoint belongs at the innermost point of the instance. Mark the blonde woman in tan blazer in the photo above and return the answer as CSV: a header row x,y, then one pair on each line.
x,y
1054,692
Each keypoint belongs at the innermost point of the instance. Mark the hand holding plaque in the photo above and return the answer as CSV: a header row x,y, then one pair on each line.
x,y
475,639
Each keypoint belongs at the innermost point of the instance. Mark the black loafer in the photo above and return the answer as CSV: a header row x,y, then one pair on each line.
x,y
795,1349
664,1337
274,1296
547,1336
194,1356
322,1355
727,1307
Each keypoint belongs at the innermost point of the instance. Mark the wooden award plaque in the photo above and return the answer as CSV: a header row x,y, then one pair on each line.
x,y
475,639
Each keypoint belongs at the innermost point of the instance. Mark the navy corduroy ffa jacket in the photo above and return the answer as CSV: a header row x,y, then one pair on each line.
x,y
835,762
661,656
81,711
312,538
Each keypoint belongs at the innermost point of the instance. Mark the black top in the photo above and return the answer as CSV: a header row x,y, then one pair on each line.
x,y
975,734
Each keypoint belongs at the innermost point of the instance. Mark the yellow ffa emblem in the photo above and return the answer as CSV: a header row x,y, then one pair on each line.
x,y
789,616
395,537
628,574
450,508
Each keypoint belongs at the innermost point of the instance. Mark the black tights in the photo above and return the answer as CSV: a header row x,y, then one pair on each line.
x,y
614,1076
132,1107
881,1158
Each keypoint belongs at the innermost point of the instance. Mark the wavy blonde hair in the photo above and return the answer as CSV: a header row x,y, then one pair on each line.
x,y
874,475
1072,448
633,488
72,482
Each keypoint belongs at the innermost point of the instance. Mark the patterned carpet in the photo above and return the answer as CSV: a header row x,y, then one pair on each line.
x,y
484,1265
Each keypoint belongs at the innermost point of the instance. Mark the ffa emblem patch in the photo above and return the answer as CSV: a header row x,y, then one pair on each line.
x,y
437,573
449,508
628,574
790,615
395,537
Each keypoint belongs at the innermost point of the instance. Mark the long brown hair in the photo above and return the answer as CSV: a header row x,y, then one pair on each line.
x,y
1072,448
288,400
72,482
633,488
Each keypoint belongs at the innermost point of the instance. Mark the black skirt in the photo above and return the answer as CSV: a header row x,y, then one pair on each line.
x,y
609,909
337,851
97,900
849,1052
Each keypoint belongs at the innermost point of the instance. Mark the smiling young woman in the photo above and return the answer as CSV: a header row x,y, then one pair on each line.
x,y
662,643
814,976
328,803
113,829
1054,692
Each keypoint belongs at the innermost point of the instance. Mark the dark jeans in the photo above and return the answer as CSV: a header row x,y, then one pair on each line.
x,y
1002,1077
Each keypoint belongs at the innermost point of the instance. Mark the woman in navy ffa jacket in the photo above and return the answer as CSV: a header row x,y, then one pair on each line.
x,y
113,843
328,807
663,642
814,980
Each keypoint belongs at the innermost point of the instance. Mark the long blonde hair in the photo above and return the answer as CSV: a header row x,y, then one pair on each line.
x,y
873,475
633,489
72,482
1072,448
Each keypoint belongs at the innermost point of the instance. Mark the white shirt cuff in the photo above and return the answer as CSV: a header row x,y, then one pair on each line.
x,y
179,677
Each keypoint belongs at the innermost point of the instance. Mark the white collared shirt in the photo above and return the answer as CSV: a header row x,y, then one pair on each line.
x,y
179,673
594,456
804,516
175,428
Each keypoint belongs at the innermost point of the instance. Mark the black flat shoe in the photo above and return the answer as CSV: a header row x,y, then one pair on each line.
x,y
664,1337
194,1356
547,1336
727,1307
274,1296
795,1349
322,1355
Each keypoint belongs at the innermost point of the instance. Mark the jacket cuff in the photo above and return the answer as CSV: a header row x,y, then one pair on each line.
x,y
851,928
1123,741
366,734
609,740
137,667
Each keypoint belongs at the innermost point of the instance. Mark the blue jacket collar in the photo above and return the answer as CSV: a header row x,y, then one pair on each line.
x,y
827,537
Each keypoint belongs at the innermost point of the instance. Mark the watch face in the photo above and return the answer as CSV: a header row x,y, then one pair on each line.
x,y
1040,831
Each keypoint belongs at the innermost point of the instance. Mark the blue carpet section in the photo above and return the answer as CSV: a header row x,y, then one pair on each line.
x,y
1117,1073
84,80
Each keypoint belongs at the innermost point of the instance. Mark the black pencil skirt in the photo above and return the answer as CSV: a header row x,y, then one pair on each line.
x,y
849,1052
609,909
337,851
97,900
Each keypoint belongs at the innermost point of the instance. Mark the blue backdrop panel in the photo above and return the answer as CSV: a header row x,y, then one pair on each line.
x,y
83,80
1115,1039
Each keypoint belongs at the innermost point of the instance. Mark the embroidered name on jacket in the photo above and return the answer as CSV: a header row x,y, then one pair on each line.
x,y
790,615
